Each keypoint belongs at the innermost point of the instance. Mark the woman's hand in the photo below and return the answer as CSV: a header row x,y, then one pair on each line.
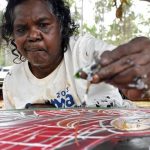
x,y
127,67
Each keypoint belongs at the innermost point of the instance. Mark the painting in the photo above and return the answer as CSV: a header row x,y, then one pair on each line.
x,y
93,129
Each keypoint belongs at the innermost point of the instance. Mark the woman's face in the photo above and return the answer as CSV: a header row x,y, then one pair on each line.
x,y
37,34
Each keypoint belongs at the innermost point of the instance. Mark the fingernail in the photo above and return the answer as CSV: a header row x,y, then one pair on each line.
x,y
96,78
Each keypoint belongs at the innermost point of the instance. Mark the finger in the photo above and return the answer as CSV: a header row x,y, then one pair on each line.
x,y
113,69
132,94
121,65
137,77
82,75
127,76
134,46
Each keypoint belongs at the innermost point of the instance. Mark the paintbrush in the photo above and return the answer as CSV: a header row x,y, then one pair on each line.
x,y
85,98
89,70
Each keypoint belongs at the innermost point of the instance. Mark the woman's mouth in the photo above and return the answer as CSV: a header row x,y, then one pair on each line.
x,y
34,49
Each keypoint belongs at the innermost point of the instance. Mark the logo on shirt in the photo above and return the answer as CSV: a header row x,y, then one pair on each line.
x,y
63,99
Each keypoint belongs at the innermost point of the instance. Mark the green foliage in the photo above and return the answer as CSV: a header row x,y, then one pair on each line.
x,y
1,14
92,30
118,31
144,23
2,56
71,2
123,30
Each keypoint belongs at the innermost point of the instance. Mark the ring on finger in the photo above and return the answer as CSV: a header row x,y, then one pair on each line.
x,y
138,83
130,62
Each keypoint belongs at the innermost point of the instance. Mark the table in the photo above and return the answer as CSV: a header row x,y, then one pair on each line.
x,y
72,129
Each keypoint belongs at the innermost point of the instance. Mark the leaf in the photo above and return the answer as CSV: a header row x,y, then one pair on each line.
x,y
124,1
119,12
115,2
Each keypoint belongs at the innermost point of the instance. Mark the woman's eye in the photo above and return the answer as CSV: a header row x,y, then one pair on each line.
x,y
43,25
20,30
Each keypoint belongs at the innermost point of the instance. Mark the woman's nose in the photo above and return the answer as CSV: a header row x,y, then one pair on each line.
x,y
34,35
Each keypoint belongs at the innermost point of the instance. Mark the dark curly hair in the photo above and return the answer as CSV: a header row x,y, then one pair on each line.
x,y
60,8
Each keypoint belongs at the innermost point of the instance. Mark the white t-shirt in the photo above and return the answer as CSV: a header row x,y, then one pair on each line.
x,y
60,87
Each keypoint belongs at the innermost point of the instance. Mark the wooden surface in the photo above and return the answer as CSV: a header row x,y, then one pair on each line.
x,y
1,103
143,103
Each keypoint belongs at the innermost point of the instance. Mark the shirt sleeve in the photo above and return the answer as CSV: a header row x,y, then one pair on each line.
x,y
84,47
